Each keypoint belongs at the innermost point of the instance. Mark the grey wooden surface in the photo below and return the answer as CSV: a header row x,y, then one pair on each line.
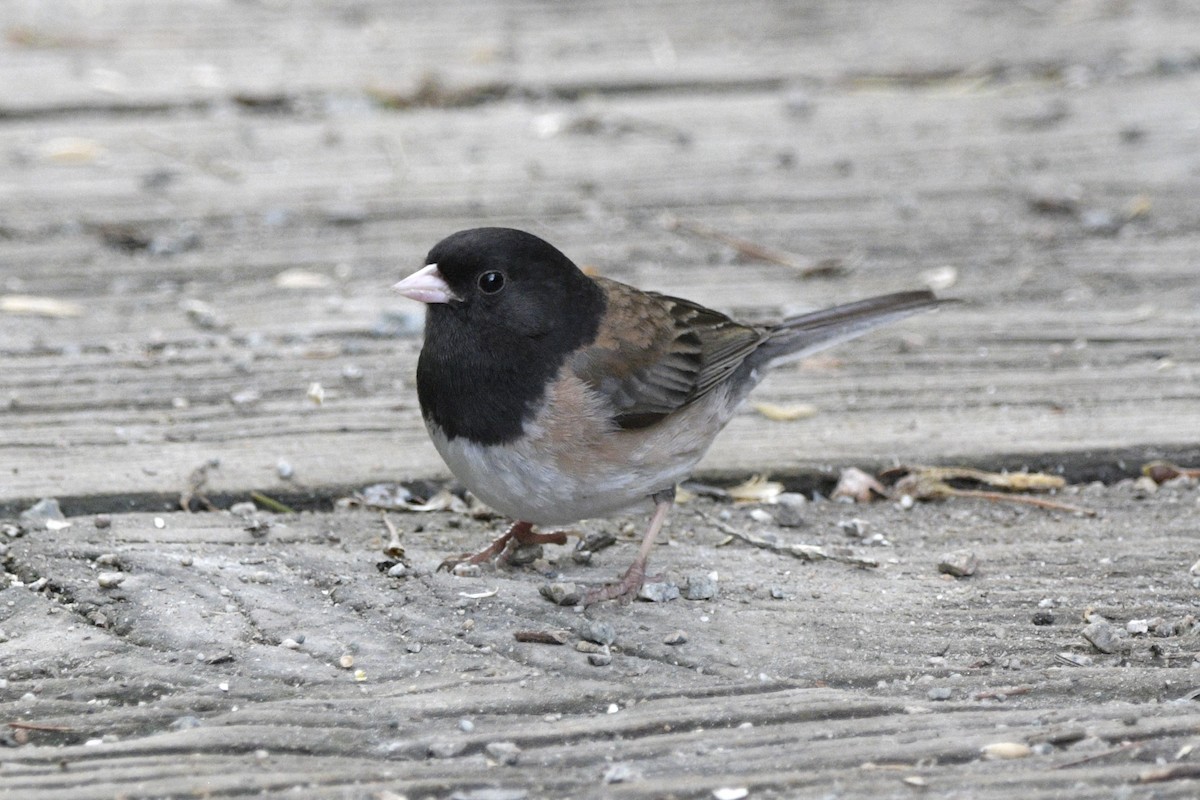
x,y
218,196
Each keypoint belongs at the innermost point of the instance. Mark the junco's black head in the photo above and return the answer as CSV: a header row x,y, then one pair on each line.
x,y
505,309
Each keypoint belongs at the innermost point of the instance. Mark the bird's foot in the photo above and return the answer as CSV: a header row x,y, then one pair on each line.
x,y
519,534
624,590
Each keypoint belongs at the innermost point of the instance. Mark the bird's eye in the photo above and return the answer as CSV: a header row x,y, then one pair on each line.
x,y
491,282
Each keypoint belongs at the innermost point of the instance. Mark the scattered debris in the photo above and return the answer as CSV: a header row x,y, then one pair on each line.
x,y
858,486
397,497
1104,636
562,594
676,638
271,504
807,552
788,413
1163,471
393,548
43,515
959,563
543,637
731,793
658,592
32,306
756,489
931,483
789,510
600,632
196,481
203,315
700,587
1003,751
110,580
479,595
507,753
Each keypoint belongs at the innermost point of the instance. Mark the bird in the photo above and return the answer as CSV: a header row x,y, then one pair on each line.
x,y
555,396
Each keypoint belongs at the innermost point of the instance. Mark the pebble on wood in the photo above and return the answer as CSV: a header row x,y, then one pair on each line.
x,y
700,587
110,580
676,638
1104,636
600,632
446,748
563,594
503,752
959,563
658,592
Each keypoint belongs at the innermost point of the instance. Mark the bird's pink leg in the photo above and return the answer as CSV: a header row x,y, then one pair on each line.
x,y
635,576
520,532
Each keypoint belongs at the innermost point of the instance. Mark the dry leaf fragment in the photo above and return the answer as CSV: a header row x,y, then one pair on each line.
x,y
756,489
859,486
930,483
33,306
1005,750
1012,481
1163,471
779,413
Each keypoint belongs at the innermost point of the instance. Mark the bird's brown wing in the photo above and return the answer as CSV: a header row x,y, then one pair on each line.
x,y
654,354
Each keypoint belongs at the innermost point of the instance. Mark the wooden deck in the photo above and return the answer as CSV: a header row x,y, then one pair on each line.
x,y
203,206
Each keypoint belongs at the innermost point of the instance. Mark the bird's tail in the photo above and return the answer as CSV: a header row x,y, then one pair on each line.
x,y
797,337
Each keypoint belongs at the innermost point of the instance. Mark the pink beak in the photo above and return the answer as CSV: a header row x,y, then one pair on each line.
x,y
427,286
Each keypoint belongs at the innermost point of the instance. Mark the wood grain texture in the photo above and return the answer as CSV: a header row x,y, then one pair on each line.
x,y
166,167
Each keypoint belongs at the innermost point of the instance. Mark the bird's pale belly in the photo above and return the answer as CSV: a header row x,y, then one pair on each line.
x,y
593,477
525,486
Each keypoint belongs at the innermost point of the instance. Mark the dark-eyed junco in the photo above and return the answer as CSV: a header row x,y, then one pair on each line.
x,y
555,397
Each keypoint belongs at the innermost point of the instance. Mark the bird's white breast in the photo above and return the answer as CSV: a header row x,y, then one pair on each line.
x,y
572,464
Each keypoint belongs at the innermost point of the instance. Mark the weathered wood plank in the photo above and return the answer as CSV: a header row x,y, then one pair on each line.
x,y
781,685
134,351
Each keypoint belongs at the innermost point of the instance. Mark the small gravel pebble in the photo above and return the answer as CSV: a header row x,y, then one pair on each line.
x,y
620,773
1103,635
700,587
40,513
563,594
102,521
939,693
110,580
445,748
600,633
960,563
658,592
789,510
465,725
599,659
504,752
675,638
1043,617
